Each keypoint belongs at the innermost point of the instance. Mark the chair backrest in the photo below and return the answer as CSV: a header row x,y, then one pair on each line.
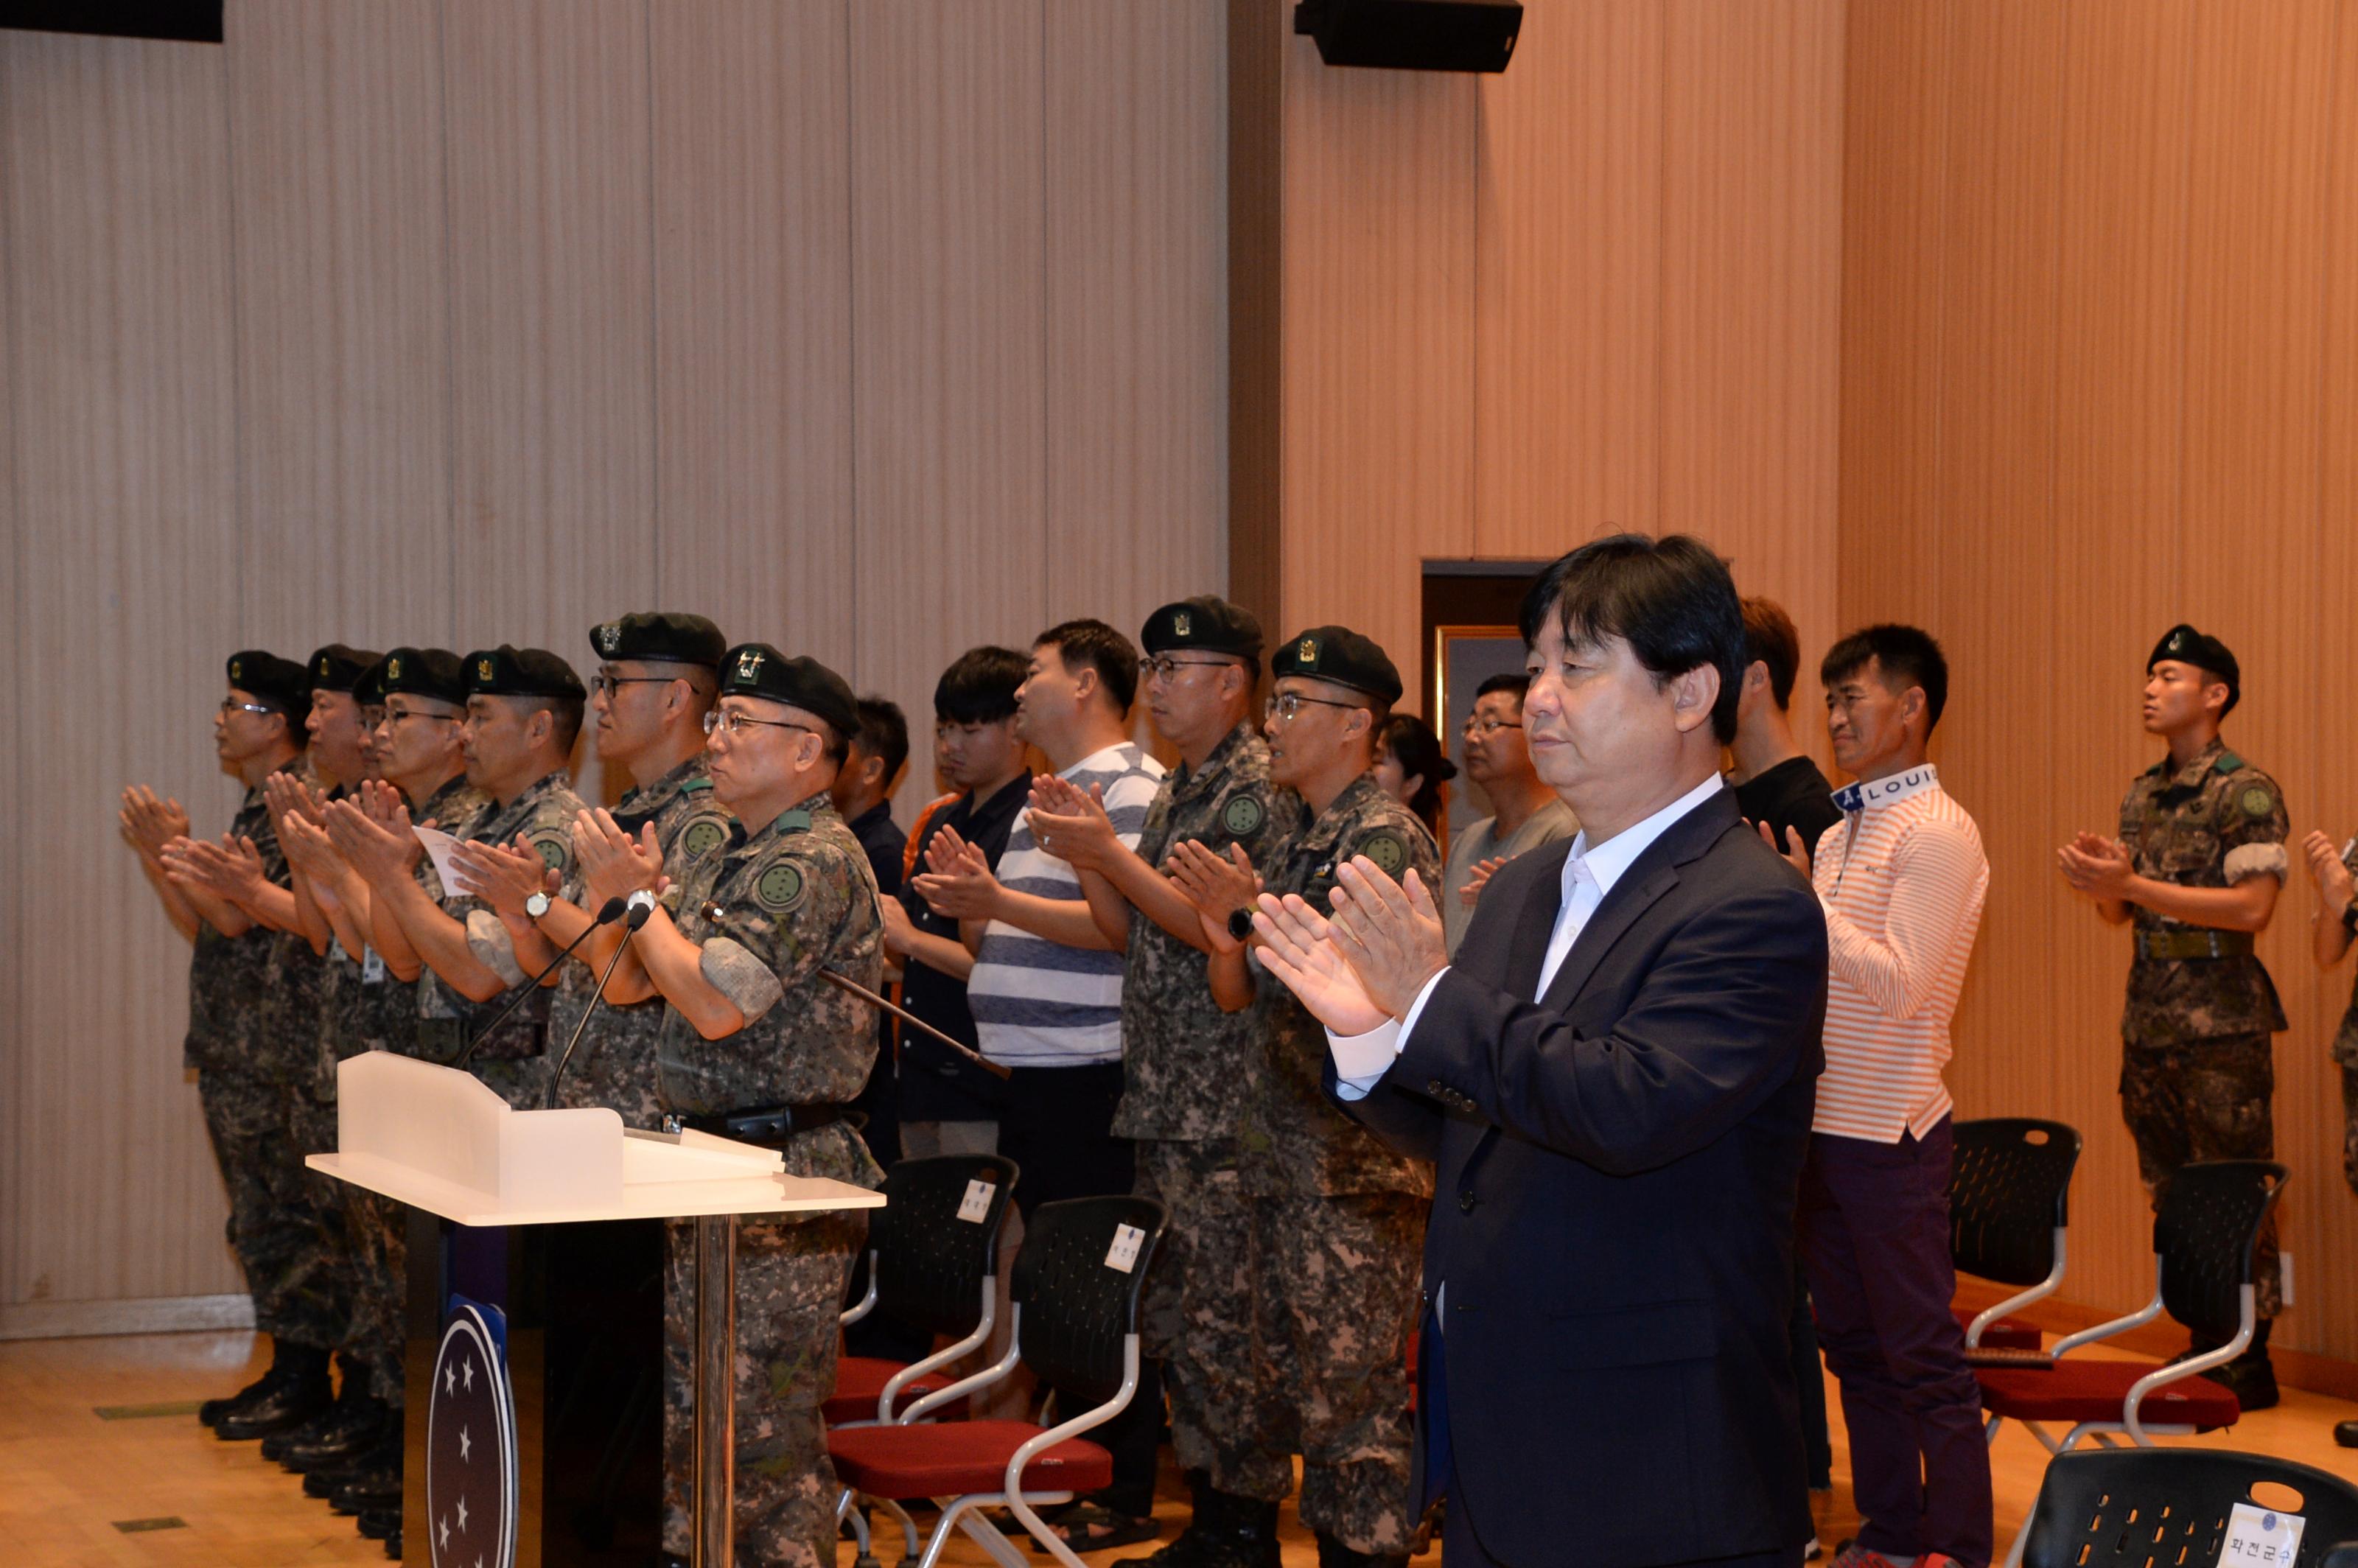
x,y
2145,1508
1077,1297
930,1263
2205,1233
2006,1197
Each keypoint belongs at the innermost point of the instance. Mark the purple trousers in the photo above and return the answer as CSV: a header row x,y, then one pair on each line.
x,y
1874,1225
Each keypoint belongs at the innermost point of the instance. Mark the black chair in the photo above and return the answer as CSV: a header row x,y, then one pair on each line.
x,y
2203,1240
1074,1319
2007,1217
2149,1508
933,1259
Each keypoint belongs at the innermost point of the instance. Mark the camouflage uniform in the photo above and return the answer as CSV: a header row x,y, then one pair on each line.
x,y
1185,1067
771,908
2345,1055
1337,1237
381,1014
614,1065
2197,1069
513,1062
247,1105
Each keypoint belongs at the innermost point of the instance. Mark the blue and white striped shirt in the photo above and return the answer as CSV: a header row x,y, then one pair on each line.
x,y
1038,1003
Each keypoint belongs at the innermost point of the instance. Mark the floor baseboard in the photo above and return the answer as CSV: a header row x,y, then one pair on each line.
x,y
148,1314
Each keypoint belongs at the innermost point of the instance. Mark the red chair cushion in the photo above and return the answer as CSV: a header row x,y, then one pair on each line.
x,y
860,1382
957,1457
2074,1391
2006,1333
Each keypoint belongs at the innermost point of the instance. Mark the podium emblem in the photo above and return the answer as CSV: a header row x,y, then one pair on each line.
x,y
471,1449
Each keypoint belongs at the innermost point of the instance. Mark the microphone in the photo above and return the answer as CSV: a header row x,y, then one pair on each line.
x,y
641,907
607,915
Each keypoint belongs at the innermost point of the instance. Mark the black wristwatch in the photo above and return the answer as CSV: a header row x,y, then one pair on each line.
x,y
1240,924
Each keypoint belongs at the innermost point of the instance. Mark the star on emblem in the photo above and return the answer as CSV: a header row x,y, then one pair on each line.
x,y
465,1447
446,1532
450,1380
466,1374
462,1514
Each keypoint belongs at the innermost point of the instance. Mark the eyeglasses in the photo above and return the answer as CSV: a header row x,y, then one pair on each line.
x,y
607,685
230,705
1288,708
736,723
1486,728
1161,665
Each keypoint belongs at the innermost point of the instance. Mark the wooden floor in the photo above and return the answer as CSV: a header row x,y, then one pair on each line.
x,y
143,1484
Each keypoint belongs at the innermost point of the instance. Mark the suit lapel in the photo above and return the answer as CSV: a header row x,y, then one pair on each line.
x,y
1528,943
1655,873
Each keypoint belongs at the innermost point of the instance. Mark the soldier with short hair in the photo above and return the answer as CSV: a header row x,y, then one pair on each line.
x,y
256,733
2195,873
755,1046
1329,1277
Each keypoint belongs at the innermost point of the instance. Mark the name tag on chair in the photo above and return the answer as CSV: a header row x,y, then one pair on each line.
x,y
2260,1536
975,1207
1123,1253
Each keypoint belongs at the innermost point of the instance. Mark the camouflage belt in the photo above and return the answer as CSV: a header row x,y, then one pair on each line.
x,y
2194,944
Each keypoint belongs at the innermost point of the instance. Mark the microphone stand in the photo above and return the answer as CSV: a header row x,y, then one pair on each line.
x,y
606,917
638,917
840,982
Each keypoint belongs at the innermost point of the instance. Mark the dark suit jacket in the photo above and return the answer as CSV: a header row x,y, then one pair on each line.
x,y
1615,1167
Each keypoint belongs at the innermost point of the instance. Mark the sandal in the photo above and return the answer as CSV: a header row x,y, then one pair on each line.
x,y
1092,1527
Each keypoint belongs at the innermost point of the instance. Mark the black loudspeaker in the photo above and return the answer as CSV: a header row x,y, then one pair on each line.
x,y
1412,34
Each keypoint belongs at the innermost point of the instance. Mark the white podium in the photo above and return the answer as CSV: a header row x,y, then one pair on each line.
x,y
438,1142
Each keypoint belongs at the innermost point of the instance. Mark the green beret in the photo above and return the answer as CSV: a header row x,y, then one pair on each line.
x,y
1339,655
1206,624
756,669
282,683
338,666
2204,651
510,671
434,673
662,636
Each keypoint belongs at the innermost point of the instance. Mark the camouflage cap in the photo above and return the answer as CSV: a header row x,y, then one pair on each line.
x,y
756,669
511,671
282,683
1341,655
338,666
2204,651
434,673
660,635
1208,625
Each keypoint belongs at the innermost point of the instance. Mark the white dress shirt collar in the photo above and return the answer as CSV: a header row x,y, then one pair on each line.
x,y
1606,861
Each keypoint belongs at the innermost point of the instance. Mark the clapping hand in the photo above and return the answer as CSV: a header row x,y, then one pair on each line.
x,y
958,883
501,875
1218,885
1480,878
1792,852
1296,948
2328,871
2097,865
148,823
1071,824
309,849
898,928
231,868
1388,932
614,864
373,837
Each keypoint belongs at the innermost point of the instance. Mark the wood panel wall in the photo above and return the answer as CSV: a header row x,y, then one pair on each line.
x,y
2100,287
874,329
1599,291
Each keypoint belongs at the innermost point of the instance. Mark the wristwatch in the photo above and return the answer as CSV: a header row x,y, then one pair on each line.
x,y
536,905
1240,924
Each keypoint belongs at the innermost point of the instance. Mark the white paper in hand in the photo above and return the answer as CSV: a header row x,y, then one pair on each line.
x,y
438,846
976,1207
2260,1538
1123,1253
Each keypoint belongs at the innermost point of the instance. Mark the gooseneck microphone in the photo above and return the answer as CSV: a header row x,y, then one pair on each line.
x,y
612,911
641,905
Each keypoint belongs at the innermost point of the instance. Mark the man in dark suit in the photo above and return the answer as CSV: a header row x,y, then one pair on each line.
x,y
1615,1082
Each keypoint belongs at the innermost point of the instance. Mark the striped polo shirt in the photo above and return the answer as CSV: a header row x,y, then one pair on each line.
x,y
1038,1003
1902,880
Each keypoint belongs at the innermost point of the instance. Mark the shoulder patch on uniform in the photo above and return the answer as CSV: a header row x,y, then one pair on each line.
x,y
702,836
2228,762
2257,802
554,848
1242,814
1387,849
798,820
780,887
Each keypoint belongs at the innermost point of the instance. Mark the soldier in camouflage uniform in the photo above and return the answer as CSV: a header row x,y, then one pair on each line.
x,y
750,1029
523,713
1327,1278
2195,871
1188,1065
2332,926
656,679
256,735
